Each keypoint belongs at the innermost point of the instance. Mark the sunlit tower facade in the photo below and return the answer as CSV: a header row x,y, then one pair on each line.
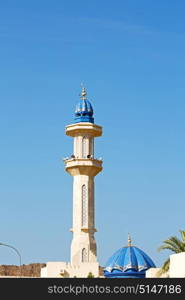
x,y
83,166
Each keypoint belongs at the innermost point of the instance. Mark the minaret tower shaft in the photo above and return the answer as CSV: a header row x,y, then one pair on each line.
x,y
83,167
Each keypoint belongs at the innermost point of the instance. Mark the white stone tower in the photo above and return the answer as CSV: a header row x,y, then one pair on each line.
x,y
83,166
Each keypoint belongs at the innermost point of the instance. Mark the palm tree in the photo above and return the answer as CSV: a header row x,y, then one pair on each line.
x,y
175,245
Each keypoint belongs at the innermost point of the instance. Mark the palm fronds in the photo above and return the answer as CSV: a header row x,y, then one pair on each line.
x,y
175,245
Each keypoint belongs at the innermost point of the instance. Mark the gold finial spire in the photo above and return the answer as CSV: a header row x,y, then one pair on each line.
x,y
83,93
129,240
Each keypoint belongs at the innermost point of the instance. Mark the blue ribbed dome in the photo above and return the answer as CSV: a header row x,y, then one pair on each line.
x,y
130,262
84,110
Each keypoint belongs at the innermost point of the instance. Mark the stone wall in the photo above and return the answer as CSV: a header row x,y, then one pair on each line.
x,y
31,270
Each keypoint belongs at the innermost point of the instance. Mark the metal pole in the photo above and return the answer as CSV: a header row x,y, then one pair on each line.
x,y
18,253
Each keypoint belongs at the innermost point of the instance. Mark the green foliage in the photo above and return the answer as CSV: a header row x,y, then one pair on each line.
x,y
175,245
90,275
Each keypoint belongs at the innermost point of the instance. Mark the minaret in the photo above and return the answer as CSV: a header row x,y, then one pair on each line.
x,y
83,167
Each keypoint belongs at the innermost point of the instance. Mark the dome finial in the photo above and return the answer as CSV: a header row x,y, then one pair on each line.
x,y
129,240
83,92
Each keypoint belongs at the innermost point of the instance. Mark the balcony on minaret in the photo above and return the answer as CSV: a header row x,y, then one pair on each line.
x,y
83,128
83,166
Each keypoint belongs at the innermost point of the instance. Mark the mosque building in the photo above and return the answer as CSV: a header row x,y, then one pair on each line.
x,y
83,167
129,261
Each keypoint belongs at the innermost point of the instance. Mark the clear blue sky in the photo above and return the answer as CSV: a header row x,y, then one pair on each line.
x,y
130,55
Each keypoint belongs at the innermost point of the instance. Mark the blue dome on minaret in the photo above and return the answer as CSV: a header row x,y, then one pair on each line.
x,y
84,110
128,262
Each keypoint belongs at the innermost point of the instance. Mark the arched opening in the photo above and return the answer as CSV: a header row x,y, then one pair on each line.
x,y
91,146
84,205
84,147
84,255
